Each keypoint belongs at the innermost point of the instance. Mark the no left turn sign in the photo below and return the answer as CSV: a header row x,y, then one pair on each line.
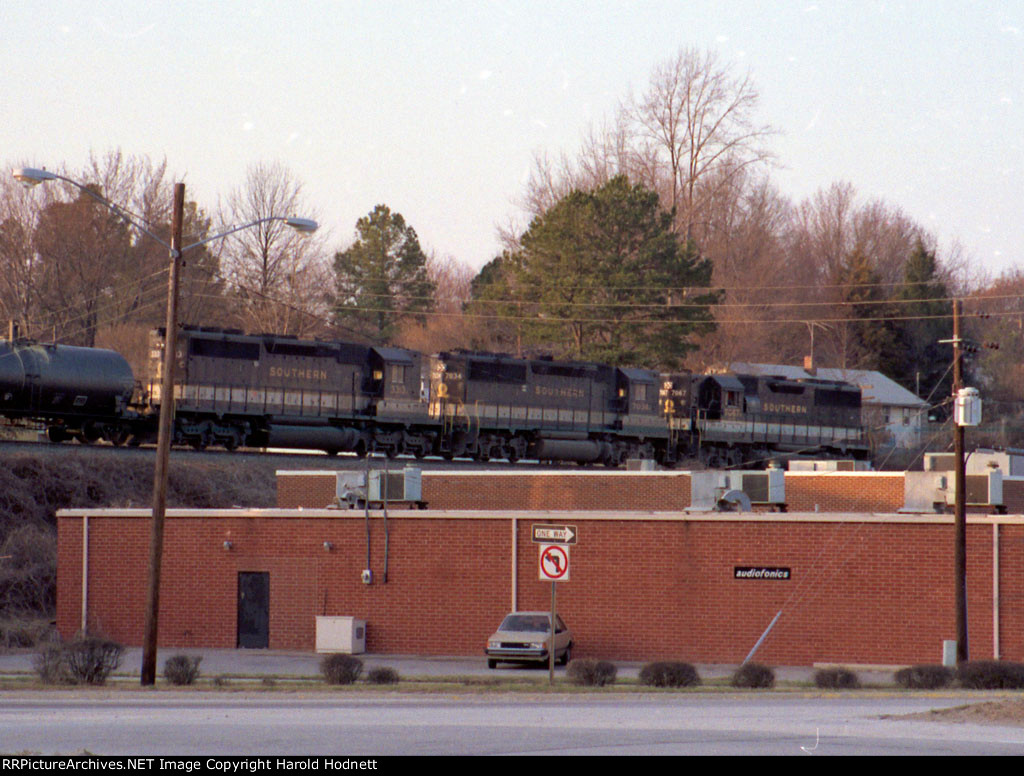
x,y
554,563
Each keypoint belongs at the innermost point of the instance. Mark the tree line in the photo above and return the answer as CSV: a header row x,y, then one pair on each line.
x,y
661,241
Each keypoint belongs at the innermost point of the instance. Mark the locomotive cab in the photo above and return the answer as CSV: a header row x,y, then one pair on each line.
x,y
720,396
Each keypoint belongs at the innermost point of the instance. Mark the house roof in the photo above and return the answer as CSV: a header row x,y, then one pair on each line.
x,y
875,387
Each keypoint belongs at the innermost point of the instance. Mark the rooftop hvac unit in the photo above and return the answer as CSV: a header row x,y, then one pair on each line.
x,y
935,491
406,485
759,488
340,634
982,490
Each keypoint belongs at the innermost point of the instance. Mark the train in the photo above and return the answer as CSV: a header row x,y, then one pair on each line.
x,y
237,390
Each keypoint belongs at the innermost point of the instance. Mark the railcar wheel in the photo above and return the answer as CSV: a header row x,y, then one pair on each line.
x,y
56,435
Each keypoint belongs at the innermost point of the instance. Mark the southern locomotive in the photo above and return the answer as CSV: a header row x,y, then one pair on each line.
x,y
234,390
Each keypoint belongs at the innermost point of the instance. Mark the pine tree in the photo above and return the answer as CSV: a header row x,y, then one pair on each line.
x,y
601,276
382,278
923,362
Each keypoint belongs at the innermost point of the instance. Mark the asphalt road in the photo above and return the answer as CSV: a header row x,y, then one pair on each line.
x,y
382,724
288,721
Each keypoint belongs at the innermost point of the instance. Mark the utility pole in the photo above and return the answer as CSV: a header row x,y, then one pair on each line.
x,y
960,509
163,447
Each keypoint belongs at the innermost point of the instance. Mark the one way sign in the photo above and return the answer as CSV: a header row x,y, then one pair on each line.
x,y
554,534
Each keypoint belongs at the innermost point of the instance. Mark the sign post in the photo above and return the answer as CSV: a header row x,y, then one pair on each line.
x,y
554,566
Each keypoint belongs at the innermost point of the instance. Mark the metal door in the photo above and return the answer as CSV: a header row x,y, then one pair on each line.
x,y
254,609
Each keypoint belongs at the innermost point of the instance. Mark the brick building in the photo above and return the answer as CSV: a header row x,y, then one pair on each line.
x,y
647,580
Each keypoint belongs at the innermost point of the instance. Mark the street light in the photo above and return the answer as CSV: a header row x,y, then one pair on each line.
x,y
31,176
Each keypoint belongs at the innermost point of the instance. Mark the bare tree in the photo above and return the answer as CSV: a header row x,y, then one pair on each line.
x,y
851,256
20,269
83,251
445,327
747,218
696,118
277,276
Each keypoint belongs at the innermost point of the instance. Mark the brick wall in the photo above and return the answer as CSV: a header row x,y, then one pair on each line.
x,y
506,490
866,492
873,590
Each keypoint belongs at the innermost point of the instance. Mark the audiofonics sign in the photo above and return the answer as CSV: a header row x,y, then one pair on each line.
x,y
760,572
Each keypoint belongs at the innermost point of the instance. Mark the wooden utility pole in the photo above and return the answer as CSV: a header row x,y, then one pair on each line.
x,y
960,509
163,444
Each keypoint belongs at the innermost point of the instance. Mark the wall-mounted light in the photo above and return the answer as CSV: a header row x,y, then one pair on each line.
x,y
228,544
328,546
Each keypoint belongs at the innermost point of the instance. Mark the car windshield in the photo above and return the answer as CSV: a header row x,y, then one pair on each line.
x,y
526,622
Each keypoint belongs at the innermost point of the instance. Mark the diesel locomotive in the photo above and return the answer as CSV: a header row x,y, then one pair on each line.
x,y
234,389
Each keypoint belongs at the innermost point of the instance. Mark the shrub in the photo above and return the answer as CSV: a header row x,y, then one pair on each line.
x,y
86,660
836,679
669,674
991,675
92,659
382,675
591,673
50,665
182,669
924,677
753,676
341,669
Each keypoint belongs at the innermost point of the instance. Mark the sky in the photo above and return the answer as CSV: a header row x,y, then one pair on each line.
x,y
438,108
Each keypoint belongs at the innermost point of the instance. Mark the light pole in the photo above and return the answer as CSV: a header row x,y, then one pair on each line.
x,y
30,177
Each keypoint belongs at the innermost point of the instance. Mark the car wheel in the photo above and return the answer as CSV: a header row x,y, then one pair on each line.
x,y
566,656
492,663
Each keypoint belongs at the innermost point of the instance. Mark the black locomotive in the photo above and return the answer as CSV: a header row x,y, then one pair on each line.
x,y
234,389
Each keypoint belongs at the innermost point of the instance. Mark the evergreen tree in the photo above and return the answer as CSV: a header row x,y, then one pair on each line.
x,y
382,278
868,336
924,363
601,276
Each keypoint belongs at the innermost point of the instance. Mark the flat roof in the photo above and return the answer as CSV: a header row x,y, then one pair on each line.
x,y
549,516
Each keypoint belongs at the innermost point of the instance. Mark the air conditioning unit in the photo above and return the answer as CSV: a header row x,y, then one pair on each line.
x,y
982,490
759,488
935,491
340,634
405,485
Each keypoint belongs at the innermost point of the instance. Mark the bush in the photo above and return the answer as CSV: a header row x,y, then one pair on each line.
x,y
753,676
50,665
991,675
836,679
182,669
91,659
382,675
591,673
86,660
669,674
341,669
924,677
